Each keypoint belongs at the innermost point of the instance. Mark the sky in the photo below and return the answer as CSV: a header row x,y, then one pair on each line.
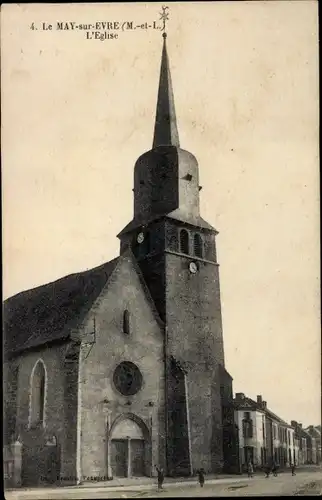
x,y
77,113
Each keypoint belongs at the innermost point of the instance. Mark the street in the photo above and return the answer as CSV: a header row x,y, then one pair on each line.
x,y
308,482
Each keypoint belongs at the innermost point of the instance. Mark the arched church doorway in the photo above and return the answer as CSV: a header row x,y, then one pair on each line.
x,y
129,449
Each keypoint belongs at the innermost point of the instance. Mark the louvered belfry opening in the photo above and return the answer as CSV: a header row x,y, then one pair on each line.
x,y
184,241
197,245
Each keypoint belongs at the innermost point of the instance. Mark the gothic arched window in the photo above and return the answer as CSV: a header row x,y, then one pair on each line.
x,y
184,241
126,322
197,245
38,388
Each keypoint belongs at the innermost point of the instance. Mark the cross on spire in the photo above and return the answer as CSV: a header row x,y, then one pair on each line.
x,y
164,16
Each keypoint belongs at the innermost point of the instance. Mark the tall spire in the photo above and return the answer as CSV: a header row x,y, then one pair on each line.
x,y
165,129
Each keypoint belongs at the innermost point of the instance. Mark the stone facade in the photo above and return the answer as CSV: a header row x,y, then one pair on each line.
x,y
100,404
60,406
81,403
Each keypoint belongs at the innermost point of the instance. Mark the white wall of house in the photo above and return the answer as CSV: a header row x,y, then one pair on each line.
x,y
256,441
276,441
260,436
297,451
291,447
303,452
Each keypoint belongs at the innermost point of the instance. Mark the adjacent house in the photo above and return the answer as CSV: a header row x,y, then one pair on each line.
x,y
263,437
315,432
310,444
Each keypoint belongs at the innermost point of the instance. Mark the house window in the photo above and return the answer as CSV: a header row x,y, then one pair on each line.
x,y
247,426
38,390
184,241
197,245
126,322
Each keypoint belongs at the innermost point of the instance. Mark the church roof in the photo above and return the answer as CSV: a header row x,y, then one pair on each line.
x,y
137,223
246,403
313,431
47,313
165,129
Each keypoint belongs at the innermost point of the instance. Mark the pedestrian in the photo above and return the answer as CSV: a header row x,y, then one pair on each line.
x,y
274,469
160,477
250,469
267,470
201,477
293,469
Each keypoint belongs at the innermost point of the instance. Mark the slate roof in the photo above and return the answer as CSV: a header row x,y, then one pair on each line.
x,y
249,404
47,313
136,223
275,417
313,431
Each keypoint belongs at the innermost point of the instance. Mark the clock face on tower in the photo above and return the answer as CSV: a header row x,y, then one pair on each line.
x,y
140,238
193,267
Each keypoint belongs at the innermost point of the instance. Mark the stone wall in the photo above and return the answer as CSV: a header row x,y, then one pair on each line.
x,y
194,337
100,404
36,467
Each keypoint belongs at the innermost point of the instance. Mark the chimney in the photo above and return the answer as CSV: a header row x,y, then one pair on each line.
x,y
264,405
300,425
259,399
240,395
293,423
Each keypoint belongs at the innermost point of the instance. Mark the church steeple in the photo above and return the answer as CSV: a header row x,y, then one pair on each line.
x,y
165,129
166,178
175,250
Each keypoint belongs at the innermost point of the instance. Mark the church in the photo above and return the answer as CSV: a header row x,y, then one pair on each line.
x,y
120,369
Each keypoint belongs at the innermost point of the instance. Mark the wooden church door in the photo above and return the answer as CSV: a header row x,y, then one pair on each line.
x,y
137,457
119,457
127,451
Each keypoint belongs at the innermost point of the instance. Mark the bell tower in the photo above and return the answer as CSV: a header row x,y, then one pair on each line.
x,y
166,178
176,251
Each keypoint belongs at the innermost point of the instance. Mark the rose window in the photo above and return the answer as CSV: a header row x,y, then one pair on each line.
x,y
127,378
